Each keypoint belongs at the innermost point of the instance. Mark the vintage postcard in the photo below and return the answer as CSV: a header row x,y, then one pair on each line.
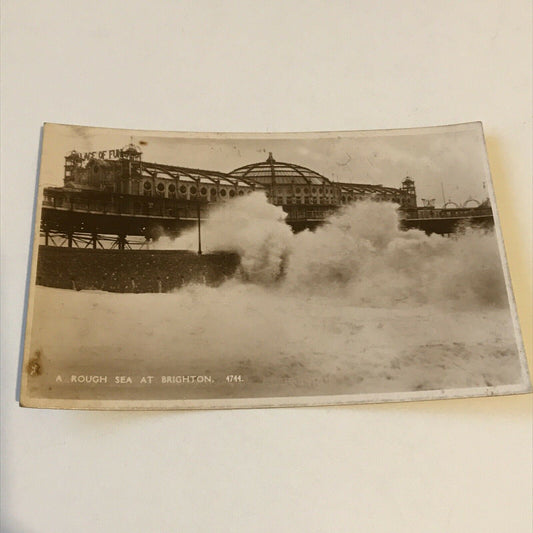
x,y
178,270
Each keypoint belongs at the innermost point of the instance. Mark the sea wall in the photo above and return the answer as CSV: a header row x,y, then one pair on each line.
x,y
130,270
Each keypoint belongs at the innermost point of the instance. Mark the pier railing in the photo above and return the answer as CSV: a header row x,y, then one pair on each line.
x,y
435,213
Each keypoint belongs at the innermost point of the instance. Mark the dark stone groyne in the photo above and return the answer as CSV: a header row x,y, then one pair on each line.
x,y
131,270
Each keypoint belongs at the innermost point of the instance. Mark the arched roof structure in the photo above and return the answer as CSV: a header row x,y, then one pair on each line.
x,y
156,170
272,172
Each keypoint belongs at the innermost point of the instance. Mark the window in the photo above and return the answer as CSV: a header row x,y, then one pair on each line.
x,y
232,193
183,189
223,192
160,187
192,190
203,191
147,185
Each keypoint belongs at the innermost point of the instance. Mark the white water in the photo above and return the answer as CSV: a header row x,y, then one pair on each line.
x,y
360,303
359,255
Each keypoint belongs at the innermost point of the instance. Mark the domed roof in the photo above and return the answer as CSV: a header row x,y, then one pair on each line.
x,y
131,150
274,172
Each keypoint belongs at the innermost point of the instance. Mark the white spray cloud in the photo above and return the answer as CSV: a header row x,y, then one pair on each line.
x,y
363,255
250,227
360,255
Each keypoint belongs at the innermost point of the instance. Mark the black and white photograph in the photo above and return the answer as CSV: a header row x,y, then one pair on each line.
x,y
266,266
176,270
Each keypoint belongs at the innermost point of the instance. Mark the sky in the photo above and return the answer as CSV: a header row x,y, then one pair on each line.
x,y
446,162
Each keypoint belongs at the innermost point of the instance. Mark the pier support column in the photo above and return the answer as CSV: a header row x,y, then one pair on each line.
x,y
121,241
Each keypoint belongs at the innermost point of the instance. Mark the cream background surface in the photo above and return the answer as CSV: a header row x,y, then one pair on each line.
x,y
456,465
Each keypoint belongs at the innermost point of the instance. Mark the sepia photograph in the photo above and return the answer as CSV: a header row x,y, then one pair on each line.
x,y
266,266
181,270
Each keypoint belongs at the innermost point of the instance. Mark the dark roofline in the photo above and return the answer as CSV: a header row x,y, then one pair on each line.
x,y
188,171
367,185
216,174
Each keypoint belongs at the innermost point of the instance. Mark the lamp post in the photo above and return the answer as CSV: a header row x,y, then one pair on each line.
x,y
199,228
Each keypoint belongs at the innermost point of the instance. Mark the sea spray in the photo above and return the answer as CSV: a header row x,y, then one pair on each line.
x,y
250,227
359,255
362,255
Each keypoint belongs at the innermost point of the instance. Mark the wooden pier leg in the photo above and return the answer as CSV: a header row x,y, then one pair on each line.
x,y
121,242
